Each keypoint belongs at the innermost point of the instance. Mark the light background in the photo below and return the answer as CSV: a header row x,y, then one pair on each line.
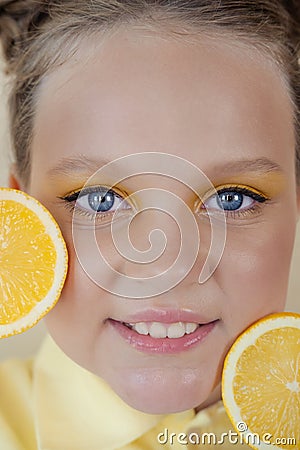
x,y
26,344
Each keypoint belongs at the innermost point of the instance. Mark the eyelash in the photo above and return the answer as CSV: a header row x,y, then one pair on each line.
x,y
70,200
245,191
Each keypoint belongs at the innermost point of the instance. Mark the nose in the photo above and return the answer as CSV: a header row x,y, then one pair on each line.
x,y
162,242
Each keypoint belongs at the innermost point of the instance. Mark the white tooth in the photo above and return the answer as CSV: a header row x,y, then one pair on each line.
x,y
161,330
190,327
140,327
176,330
158,330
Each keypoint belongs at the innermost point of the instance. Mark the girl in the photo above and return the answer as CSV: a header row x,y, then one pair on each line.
x,y
131,107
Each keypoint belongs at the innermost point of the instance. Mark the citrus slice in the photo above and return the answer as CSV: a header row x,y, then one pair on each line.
x,y
261,383
33,261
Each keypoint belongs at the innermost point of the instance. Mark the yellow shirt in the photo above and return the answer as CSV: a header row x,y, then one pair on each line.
x,y
51,403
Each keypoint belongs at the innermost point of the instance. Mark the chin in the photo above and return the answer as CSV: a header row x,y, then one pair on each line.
x,y
161,391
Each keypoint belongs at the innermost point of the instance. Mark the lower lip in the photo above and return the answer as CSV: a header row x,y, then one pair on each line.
x,y
148,344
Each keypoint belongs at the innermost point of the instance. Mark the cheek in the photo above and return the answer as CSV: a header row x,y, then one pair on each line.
x,y
254,274
75,320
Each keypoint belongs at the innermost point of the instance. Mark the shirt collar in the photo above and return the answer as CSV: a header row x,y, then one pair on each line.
x,y
74,409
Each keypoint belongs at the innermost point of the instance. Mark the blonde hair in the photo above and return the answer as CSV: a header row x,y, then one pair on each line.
x,y
37,36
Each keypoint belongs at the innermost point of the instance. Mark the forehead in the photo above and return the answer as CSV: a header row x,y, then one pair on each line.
x,y
133,92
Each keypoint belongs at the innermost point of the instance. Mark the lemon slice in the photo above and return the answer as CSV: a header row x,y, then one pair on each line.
x,y
33,261
261,383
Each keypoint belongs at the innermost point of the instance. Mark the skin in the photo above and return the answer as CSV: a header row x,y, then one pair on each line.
x,y
212,104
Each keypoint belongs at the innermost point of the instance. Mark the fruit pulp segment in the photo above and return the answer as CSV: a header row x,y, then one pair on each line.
x,y
267,398
27,261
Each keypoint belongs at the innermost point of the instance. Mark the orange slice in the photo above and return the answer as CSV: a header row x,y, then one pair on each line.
x,y
33,261
261,383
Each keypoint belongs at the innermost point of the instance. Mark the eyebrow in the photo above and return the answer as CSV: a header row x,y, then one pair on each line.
x,y
258,165
76,164
83,165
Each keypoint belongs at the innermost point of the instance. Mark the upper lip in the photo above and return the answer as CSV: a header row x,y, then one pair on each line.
x,y
167,316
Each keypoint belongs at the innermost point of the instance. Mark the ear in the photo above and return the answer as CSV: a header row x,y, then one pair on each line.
x,y
13,181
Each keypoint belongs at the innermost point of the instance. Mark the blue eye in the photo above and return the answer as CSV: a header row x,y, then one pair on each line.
x,y
97,200
101,200
230,201
234,199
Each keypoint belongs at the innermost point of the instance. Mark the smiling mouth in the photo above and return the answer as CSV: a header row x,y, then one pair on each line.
x,y
161,330
163,337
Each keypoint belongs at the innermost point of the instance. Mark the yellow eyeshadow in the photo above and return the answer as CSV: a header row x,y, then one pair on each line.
x,y
118,191
241,186
268,185
78,182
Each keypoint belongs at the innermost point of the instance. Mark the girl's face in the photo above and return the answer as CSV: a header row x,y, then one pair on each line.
x,y
224,109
